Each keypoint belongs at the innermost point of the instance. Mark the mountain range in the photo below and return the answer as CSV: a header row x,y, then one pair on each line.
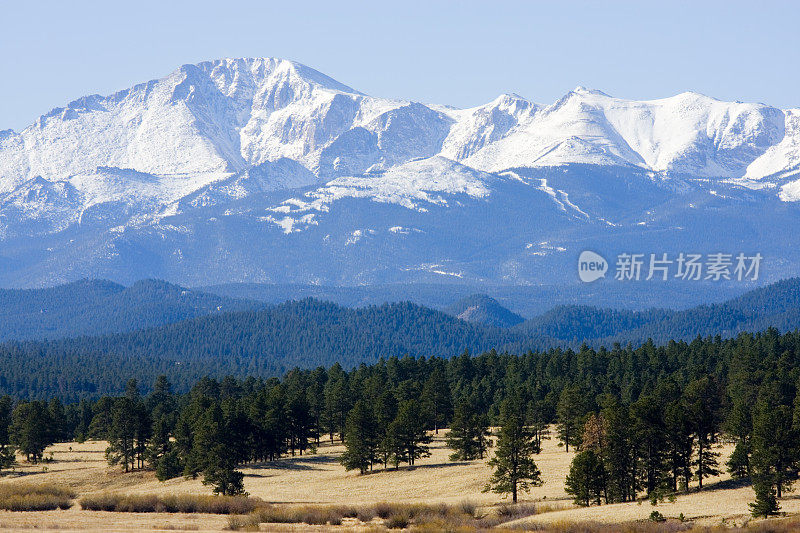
x,y
267,171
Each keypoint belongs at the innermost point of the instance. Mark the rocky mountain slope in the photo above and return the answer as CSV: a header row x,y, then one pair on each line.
x,y
264,170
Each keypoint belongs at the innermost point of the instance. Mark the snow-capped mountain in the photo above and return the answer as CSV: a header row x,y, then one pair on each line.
x,y
223,164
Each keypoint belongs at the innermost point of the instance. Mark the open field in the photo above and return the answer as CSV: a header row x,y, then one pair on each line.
x,y
319,479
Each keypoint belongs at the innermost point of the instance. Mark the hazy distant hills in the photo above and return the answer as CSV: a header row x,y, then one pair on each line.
x,y
95,307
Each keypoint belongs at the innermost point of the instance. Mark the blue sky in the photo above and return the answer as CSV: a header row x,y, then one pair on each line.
x,y
461,53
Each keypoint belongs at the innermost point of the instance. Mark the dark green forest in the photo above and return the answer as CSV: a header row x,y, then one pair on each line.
x,y
645,420
268,342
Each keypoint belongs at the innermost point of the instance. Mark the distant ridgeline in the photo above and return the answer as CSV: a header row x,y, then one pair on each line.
x,y
270,340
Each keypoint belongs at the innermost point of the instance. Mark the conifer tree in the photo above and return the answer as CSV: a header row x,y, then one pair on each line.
x,y
361,439
337,401
469,433
586,481
407,434
30,429
122,434
514,467
385,413
701,403
6,450
211,453
774,441
570,413
766,504
436,399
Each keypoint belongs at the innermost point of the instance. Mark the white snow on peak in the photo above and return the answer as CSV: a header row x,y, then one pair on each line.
x,y
415,185
222,130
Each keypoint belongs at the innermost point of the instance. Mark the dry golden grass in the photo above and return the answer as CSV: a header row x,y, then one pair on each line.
x,y
318,481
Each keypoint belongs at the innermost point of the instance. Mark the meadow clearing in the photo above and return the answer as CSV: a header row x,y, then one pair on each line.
x,y
318,479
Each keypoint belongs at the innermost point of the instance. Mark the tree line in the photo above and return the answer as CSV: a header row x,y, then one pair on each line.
x,y
644,421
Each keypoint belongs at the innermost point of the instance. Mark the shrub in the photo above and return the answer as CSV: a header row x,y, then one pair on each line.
x,y
467,507
398,520
302,514
28,497
134,503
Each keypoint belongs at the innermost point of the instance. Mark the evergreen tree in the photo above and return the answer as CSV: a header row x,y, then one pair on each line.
x,y
570,414
651,440
6,450
361,439
337,401
586,481
774,442
58,418
766,503
469,433
514,467
619,451
680,445
385,413
407,434
702,407
211,453
436,399
29,431
122,434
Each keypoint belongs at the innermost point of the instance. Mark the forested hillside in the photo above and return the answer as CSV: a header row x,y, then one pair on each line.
x,y
309,333
95,307
262,343
776,305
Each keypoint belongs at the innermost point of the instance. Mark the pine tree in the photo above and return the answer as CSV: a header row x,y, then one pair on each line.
x,y
361,439
212,455
122,434
514,467
570,413
586,481
385,413
436,399
29,430
337,401
407,434
651,440
619,451
702,405
469,433
680,445
766,503
6,450
774,441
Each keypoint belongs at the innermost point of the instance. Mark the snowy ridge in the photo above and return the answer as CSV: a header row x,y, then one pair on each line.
x,y
275,146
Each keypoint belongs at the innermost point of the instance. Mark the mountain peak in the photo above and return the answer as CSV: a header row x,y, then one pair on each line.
x,y
580,89
262,67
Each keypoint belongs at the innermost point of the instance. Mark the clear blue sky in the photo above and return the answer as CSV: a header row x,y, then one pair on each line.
x,y
461,53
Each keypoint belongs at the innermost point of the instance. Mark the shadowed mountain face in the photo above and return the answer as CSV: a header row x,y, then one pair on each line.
x,y
264,170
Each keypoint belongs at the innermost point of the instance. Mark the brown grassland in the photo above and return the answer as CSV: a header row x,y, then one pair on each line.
x,y
436,494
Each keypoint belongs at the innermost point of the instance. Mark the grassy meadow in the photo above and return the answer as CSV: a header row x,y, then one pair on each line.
x,y
314,492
